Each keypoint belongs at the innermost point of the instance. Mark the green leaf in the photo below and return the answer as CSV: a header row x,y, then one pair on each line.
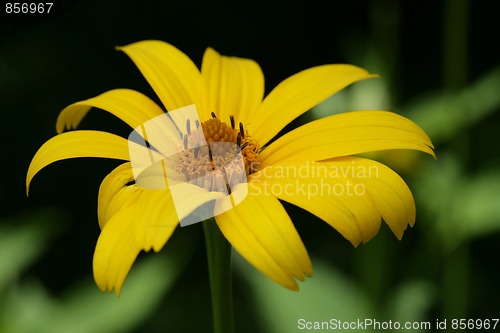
x,y
84,309
443,115
411,301
87,310
364,95
463,208
477,206
28,309
23,239
328,295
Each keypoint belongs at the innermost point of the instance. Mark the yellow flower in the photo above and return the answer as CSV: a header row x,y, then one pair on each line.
x,y
312,167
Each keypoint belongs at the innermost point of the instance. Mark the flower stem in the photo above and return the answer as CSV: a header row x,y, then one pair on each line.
x,y
219,269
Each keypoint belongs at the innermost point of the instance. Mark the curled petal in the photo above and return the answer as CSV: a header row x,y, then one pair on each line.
x,y
77,144
128,105
114,189
347,134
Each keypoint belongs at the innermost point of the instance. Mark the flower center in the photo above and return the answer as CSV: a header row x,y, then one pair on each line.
x,y
228,158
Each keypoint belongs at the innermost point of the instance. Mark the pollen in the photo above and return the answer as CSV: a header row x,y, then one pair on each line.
x,y
220,166
218,131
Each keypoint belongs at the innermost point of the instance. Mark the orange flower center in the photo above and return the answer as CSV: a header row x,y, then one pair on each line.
x,y
230,155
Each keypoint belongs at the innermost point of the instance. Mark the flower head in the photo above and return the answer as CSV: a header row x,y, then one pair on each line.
x,y
312,167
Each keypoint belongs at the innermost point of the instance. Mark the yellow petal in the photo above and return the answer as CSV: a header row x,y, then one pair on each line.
x,y
299,93
112,184
155,219
114,194
130,106
185,196
188,197
261,231
125,195
144,223
115,251
77,144
349,193
389,193
173,76
332,196
233,86
347,134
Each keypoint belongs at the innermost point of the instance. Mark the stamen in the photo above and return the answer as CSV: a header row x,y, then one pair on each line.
x,y
211,159
219,163
232,121
238,139
242,131
228,187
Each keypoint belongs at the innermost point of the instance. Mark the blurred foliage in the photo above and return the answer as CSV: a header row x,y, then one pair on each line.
x,y
28,307
333,295
464,208
22,239
342,298
445,115
437,67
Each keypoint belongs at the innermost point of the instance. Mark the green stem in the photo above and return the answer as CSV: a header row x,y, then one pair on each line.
x,y
219,269
457,263
456,283
455,43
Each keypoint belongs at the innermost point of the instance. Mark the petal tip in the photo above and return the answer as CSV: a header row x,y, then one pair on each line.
x,y
118,291
292,287
28,186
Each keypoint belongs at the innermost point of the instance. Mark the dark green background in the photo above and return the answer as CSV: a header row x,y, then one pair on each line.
x,y
433,57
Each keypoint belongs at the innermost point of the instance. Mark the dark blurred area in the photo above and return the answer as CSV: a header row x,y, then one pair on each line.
x,y
439,66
